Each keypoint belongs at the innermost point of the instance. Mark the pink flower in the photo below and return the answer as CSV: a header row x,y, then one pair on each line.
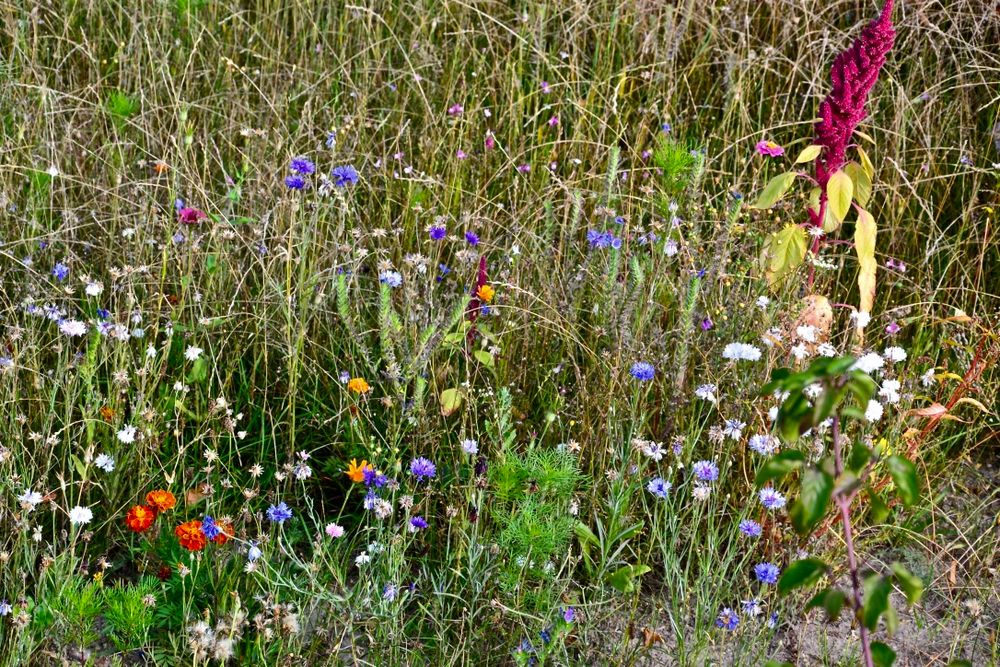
x,y
553,121
455,110
490,142
460,154
190,216
769,148
334,531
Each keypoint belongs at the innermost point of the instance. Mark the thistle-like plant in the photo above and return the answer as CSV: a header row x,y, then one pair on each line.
x,y
838,182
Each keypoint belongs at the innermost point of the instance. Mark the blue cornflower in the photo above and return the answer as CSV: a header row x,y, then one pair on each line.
x,y
659,487
437,232
344,175
303,165
422,468
279,513
331,139
417,523
706,471
254,552
545,635
598,239
750,528
619,220
389,592
472,238
727,619
209,528
643,371
763,444
60,271
766,573
103,313
295,182
391,278
771,499
666,127
5,607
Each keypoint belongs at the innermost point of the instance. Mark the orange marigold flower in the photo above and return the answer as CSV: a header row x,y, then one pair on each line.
x,y
190,536
358,386
140,518
485,293
160,167
356,471
107,413
227,532
161,500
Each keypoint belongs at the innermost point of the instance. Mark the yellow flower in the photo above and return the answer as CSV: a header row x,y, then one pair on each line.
x,y
356,471
358,386
485,293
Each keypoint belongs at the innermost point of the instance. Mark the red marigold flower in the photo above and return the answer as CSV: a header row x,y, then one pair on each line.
x,y
161,500
140,518
190,536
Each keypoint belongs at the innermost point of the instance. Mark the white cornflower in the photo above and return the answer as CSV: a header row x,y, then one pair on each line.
x,y
894,354
733,429
806,332
928,379
93,288
706,392
874,411
890,391
701,491
763,302
127,434
741,352
470,447
652,450
30,499
192,352
765,445
73,328
826,350
362,559
868,363
800,352
105,462
861,318
80,515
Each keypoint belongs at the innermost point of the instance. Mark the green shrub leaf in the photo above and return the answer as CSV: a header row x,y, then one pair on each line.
x,y
774,190
904,474
803,572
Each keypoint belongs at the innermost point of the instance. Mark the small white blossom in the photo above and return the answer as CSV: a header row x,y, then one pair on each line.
x,y
127,434
105,462
741,352
894,354
869,362
874,411
192,352
80,515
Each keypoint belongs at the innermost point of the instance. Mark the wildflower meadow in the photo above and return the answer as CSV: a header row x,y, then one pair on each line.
x,y
468,332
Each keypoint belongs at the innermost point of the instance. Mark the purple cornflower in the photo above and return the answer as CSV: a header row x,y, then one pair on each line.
x,y
209,528
727,619
706,471
643,371
892,328
659,487
750,528
771,499
455,110
60,271
437,232
344,175
422,468
569,615
472,238
279,513
303,165
417,523
524,168
295,182
766,573
707,324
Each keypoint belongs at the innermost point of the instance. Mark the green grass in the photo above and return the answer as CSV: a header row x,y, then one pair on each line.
x,y
139,104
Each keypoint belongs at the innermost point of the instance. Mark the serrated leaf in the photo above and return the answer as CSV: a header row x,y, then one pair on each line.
x,y
804,572
839,193
814,498
882,655
862,183
904,474
774,190
877,589
912,585
864,246
451,400
784,251
809,153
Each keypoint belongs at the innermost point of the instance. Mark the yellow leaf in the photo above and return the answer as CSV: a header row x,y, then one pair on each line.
x,y
808,154
862,183
864,246
783,252
839,193
774,190
866,162
973,402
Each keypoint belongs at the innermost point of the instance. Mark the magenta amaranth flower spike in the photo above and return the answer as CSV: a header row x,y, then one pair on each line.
x,y
853,75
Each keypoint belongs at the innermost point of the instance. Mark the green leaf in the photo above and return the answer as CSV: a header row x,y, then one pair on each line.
x,y
877,589
805,572
784,251
912,586
780,465
211,262
859,457
862,183
809,508
484,357
839,193
864,245
879,508
882,655
774,190
775,663
623,579
451,400
904,474
831,599
199,371
809,153
960,663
